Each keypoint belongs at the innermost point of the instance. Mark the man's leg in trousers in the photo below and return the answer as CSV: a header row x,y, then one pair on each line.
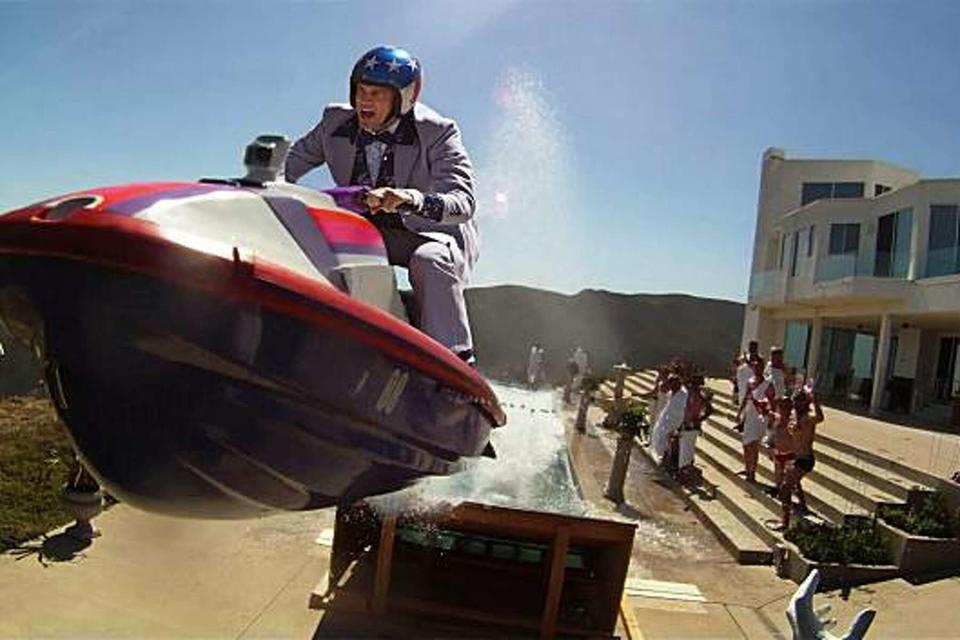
x,y
437,272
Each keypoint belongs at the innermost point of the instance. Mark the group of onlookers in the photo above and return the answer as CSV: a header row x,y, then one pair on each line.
x,y
774,410
680,406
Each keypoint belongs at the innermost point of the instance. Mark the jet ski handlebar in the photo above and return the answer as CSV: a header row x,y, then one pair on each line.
x,y
354,198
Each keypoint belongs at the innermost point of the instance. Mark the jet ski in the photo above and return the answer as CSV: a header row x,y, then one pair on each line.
x,y
226,348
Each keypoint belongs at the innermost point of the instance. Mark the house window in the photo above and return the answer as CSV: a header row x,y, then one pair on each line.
x,y
844,238
943,253
816,191
811,191
893,245
796,344
810,241
880,189
848,190
947,382
783,250
795,253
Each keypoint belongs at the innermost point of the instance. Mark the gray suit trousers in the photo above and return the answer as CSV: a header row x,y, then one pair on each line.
x,y
438,272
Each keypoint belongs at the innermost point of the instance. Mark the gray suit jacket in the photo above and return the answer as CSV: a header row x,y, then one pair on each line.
x,y
436,163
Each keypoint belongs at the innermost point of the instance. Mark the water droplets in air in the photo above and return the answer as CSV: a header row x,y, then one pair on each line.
x,y
525,177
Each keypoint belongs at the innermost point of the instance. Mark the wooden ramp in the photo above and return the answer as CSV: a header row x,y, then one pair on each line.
x,y
481,564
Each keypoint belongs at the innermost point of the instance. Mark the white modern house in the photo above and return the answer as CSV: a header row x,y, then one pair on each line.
x,y
856,273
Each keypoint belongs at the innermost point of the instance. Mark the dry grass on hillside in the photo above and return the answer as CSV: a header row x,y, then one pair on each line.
x,y
35,459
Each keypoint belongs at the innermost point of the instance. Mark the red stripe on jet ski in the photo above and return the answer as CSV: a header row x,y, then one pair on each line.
x,y
349,229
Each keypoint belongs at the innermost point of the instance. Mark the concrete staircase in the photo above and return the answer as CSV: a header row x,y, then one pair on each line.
x,y
846,480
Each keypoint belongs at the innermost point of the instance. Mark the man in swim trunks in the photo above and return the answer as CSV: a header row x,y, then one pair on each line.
x,y
802,433
783,451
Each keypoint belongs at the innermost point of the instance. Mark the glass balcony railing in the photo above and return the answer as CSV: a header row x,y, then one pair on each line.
x,y
943,262
765,284
840,265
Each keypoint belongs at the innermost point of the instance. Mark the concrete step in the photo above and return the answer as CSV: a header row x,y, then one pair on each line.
x,y
718,512
828,504
875,464
853,467
824,475
752,508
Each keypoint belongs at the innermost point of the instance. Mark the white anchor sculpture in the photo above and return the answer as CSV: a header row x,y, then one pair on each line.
x,y
807,624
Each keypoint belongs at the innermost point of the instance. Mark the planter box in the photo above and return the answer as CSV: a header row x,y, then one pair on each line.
x,y
919,555
790,563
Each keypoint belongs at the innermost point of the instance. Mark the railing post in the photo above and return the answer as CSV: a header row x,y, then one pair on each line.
x,y
621,459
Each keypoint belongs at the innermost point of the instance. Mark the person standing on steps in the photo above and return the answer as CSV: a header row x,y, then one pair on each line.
x,y
802,435
752,415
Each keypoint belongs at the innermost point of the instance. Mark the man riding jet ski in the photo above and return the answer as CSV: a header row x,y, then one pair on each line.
x,y
225,348
420,180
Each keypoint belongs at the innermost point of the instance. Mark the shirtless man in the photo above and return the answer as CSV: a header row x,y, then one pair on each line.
x,y
783,447
802,434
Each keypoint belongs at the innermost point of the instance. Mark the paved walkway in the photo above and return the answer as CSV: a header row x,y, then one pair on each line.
x,y
151,576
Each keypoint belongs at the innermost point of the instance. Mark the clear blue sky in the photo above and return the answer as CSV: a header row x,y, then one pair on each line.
x,y
625,136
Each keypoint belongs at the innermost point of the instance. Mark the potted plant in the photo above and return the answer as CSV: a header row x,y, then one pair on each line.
x,y
82,499
629,420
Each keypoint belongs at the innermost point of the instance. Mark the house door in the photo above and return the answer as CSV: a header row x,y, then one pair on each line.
x,y
947,383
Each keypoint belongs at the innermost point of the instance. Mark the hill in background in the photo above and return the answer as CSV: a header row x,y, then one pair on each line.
x,y
640,329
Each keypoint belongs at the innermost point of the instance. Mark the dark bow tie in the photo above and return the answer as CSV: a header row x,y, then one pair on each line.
x,y
364,137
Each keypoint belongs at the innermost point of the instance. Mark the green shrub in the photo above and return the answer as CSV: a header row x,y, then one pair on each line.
x,y
924,515
35,461
632,421
852,543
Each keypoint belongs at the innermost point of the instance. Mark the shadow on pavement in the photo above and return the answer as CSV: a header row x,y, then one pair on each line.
x,y
57,548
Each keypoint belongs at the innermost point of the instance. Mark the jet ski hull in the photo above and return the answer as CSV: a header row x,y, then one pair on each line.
x,y
206,385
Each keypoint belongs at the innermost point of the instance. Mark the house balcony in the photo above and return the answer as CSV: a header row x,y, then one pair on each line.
x,y
767,286
943,262
848,278
841,265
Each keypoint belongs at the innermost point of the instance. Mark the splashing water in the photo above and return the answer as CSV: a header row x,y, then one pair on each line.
x,y
527,174
531,470
525,179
